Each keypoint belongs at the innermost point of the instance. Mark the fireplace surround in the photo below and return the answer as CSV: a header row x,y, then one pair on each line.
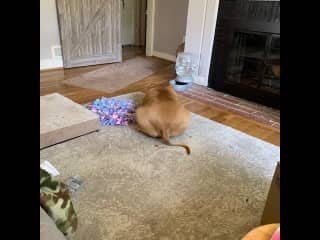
x,y
245,58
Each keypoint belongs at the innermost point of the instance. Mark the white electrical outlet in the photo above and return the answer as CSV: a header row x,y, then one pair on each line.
x,y
56,51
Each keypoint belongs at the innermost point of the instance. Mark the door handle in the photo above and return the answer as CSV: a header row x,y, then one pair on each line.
x,y
123,3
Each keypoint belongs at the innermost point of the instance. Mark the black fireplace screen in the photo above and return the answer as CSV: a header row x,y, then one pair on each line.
x,y
254,61
246,52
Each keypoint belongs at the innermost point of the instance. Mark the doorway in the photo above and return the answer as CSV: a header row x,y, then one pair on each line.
x,y
133,28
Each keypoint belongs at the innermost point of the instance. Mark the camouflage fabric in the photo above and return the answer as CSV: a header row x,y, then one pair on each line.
x,y
55,200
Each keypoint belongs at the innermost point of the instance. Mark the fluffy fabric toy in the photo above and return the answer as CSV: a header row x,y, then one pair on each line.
x,y
113,111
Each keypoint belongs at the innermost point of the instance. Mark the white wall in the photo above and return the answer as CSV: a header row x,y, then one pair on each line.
x,y
128,22
133,22
169,26
201,24
49,34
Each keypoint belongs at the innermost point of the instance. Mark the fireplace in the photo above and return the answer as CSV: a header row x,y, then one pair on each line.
x,y
246,52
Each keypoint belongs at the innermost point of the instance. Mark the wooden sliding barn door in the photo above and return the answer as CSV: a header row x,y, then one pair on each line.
x,y
89,31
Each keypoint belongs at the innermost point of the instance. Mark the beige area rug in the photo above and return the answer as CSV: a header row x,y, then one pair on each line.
x,y
116,76
134,187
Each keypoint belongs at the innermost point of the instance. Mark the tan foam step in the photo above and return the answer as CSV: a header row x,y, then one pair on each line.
x,y
62,119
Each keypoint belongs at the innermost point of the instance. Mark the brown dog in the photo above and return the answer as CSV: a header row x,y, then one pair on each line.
x,y
160,115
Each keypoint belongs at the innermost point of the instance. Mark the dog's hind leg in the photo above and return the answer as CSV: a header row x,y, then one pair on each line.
x,y
144,125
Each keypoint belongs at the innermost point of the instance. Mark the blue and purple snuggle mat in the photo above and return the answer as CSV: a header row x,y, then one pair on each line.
x,y
113,111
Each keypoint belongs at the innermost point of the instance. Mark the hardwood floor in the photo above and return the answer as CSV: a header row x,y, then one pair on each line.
x,y
51,81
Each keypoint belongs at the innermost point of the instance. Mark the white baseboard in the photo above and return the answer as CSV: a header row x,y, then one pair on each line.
x,y
51,63
200,80
165,56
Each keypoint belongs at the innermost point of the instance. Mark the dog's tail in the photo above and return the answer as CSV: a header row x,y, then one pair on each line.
x,y
166,140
